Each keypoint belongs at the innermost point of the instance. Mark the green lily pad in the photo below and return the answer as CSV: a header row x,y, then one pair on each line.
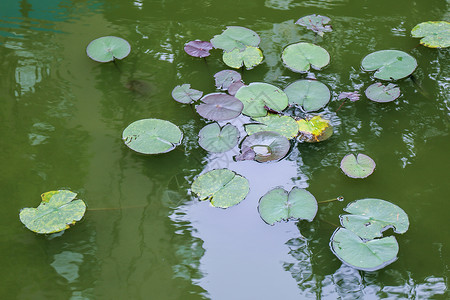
x,y
214,138
359,166
434,34
108,48
266,146
389,64
278,205
184,94
258,95
152,136
57,212
363,255
219,107
235,37
312,95
250,57
316,129
370,217
316,23
223,187
225,78
382,93
284,125
300,57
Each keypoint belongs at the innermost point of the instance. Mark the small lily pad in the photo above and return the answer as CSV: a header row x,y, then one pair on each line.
x,y
300,57
152,136
434,34
382,93
284,125
214,138
235,37
219,107
363,255
223,187
389,64
278,205
316,23
198,48
316,129
370,217
312,95
234,88
225,78
108,48
57,212
359,166
266,145
250,57
184,94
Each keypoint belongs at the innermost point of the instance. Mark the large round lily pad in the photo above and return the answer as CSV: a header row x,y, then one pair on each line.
x,y
214,138
152,136
389,64
108,48
316,23
278,205
314,130
259,96
198,48
284,125
57,212
370,217
312,95
300,57
359,166
223,187
225,78
382,93
235,37
250,57
219,107
434,34
184,94
265,145
363,255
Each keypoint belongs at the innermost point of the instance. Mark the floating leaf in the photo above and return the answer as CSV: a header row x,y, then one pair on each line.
x,y
219,107
382,93
314,130
312,95
267,146
225,78
434,34
57,212
389,64
249,57
278,205
359,166
352,96
257,95
108,48
300,57
284,125
223,187
363,255
315,23
232,90
184,94
198,48
152,136
370,217
235,37
214,138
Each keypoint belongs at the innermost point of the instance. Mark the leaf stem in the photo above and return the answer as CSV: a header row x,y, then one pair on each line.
x,y
342,104
340,198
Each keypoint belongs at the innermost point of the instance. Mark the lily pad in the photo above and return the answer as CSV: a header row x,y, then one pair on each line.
x,y
266,145
250,57
214,138
235,37
257,95
219,107
314,130
57,212
359,166
389,64
278,205
316,23
234,88
382,93
223,187
108,48
363,255
225,78
434,34
370,217
152,136
312,95
184,94
198,48
284,125
300,57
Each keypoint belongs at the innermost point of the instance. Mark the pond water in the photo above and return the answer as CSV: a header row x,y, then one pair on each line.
x,y
144,236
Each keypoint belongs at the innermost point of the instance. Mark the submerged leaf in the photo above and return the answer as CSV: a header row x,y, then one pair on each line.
x,y
184,94
315,23
314,130
214,138
235,37
300,57
382,93
389,64
108,48
266,145
249,57
434,34
219,107
359,166
352,96
198,48
312,95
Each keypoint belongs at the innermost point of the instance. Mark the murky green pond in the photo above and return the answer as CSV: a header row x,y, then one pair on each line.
x,y
144,235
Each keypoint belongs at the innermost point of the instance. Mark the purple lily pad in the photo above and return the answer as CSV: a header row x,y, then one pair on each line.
x,y
315,23
225,78
198,48
247,153
359,166
234,87
265,146
219,107
352,96
382,93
